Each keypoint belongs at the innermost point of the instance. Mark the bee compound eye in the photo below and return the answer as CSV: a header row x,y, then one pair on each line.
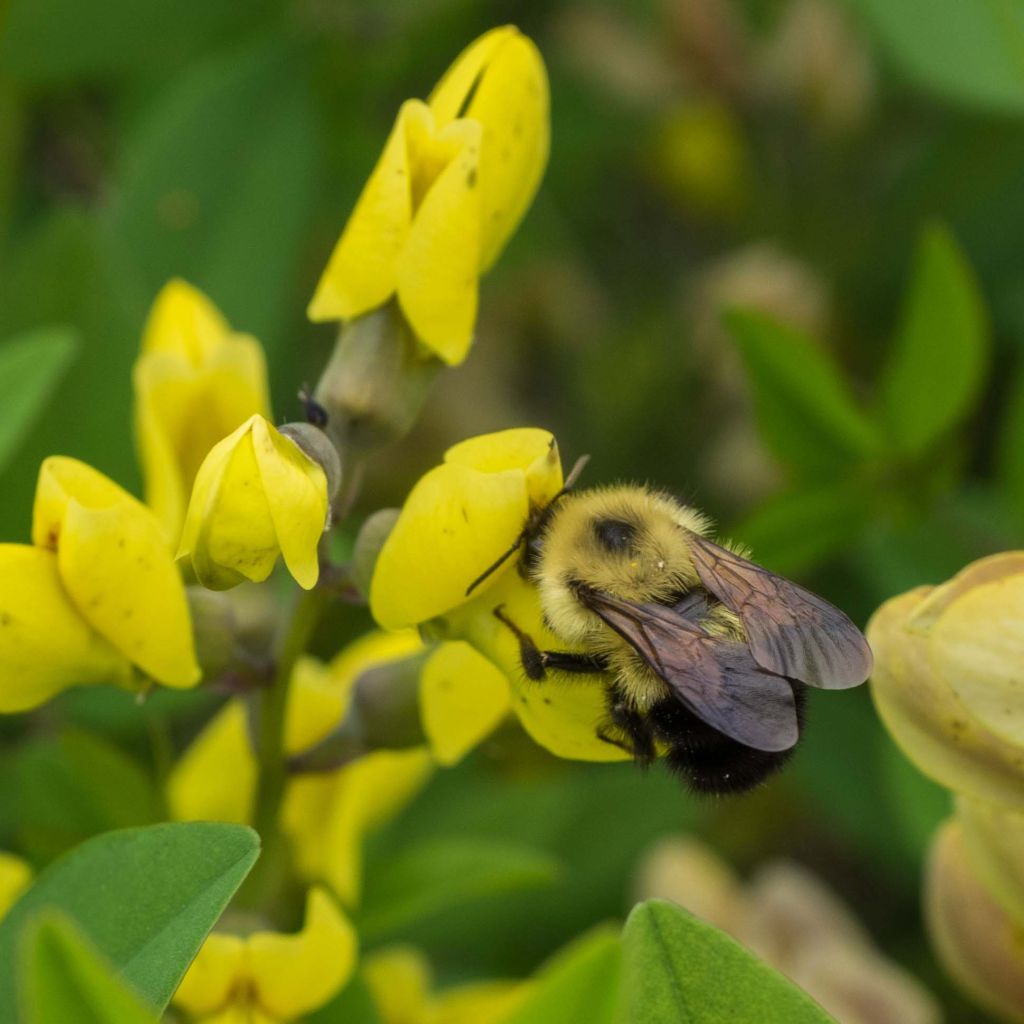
x,y
614,535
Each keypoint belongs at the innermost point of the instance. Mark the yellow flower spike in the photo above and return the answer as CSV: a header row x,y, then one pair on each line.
x,y
15,877
45,644
563,719
499,80
294,974
928,720
454,180
459,518
215,779
257,495
195,381
994,840
267,976
463,697
327,817
113,563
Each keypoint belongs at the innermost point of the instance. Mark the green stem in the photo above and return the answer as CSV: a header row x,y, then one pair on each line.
x,y
268,873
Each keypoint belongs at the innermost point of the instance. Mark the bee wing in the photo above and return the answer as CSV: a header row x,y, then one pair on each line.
x,y
790,630
715,678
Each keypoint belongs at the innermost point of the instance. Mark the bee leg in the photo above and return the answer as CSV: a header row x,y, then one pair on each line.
x,y
536,662
639,738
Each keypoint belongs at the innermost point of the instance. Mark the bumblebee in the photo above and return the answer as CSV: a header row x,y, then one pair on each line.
x,y
703,654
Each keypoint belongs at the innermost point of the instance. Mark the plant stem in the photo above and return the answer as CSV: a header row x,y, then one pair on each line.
x,y
270,751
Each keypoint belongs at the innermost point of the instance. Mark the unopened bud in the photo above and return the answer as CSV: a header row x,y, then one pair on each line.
x,y
376,380
318,446
372,535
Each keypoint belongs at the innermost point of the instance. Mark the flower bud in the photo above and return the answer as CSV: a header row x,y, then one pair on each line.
x,y
936,707
455,178
195,380
317,446
375,382
977,941
257,495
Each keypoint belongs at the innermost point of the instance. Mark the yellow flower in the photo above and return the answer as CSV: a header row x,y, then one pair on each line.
x,y
15,876
457,521
97,594
399,977
327,814
947,670
257,495
269,978
195,381
455,178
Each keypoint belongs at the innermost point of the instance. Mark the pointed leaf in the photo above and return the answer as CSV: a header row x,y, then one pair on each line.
x,y
144,897
680,970
805,412
940,354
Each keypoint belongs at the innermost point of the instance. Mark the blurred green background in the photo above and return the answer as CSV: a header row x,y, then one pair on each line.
x,y
853,172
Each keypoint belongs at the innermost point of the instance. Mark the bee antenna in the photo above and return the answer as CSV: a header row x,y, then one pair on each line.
x,y
497,565
575,473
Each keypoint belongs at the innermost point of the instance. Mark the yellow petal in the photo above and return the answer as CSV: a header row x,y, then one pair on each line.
x,y
62,480
328,817
295,974
399,978
319,697
977,645
529,449
928,720
362,271
182,410
439,264
296,490
561,716
483,1002
502,76
115,565
183,321
217,968
994,840
454,525
215,779
463,697
45,644
15,876
228,526
976,940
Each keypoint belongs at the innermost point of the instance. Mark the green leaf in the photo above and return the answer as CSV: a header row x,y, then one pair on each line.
x,y
31,366
580,983
145,898
970,52
443,873
1010,451
65,979
804,411
941,352
75,786
680,970
218,182
799,529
